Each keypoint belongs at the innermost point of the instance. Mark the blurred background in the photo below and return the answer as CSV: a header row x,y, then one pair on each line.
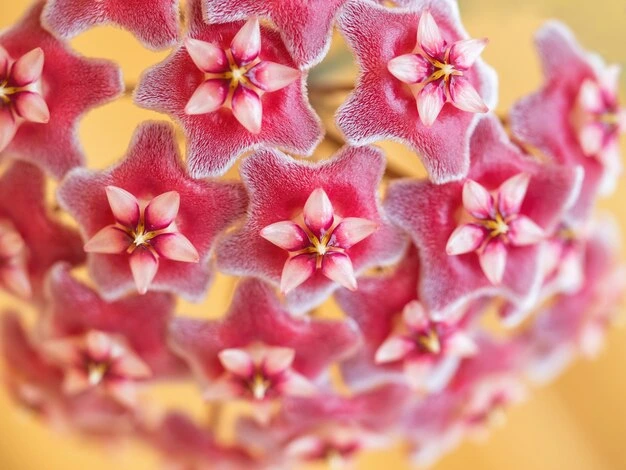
x,y
578,422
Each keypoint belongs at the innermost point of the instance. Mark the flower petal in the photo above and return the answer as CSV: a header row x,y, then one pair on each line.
x,y
477,200
144,266
237,361
32,107
393,349
207,56
428,35
352,230
464,96
294,384
248,109
296,270
410,68
270,76
590,97
27,69
100,345
461,345
511,194
591,138
110,240
16,280
493,261
465,239
8,127
131,366
176,247
414,315
124,206
246,44
318,212
162,211
277,360
208,97
523,231
338,267
430,101
5,60
464,53
286,235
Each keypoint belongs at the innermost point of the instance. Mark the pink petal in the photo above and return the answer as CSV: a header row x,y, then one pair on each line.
x,y
248,109
394,349
286,235
430,101
176,247
144,266
5,59
352,230
237,361
208,97
278,360
609,79
465,239
162,211
590,97
270,76
591,138
8,127
318,212
464,53
523,231
131,366
511,194
32,107
464,96
414,315
338,267
304,448
409,68
27,69
461,345
428,35
15,279
296,270
246,44
99,345
477,200
110,239
294,384
124,206
62,351
207,56
75,381
493,261
11,242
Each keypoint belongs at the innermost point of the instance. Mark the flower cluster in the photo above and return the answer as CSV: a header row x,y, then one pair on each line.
x,y
357,320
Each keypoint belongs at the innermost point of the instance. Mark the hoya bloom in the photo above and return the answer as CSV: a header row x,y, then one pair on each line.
x,y
306,27
44,89
576,117
32,238
237,89
154,23
146,223
450,279
311,227
421,82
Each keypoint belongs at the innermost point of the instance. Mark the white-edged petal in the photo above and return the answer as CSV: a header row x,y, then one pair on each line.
x,y
124,206
176,247
161,211
208,97
493,261
511,194
144,266
246,45
464,96
393,349
410,68
277,360
32,107
318,212
464,53
109,240
248,109
28,68
523,231
338,267
352,230
270,76
477,200
207,56
287,235
296,271
428,35
237,361
430,101
465,239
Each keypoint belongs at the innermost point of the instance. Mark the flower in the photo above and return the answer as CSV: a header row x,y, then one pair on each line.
x,y
147,224
575,118
272,246
44,89
306,27
259,82
442,68
154,23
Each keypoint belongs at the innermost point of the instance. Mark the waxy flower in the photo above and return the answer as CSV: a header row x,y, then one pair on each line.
x,y
147,224
44,89
575,118
154,23
306,27
441,73
432,213
241,66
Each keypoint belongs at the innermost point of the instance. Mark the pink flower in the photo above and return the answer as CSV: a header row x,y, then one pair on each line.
x,y
442,73
44,89
576,117
149,225
236,90
154,23
306,27
32,239
432,214
305,222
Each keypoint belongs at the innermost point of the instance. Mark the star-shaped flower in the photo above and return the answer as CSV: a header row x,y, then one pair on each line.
x,y
306,27
148,225
441,73
154,23
576,117
305,223
44,89
432,214
237,89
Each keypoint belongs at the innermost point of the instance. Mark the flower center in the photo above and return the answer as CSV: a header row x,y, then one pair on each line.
x,y
259,385
429,341
96,372
497,226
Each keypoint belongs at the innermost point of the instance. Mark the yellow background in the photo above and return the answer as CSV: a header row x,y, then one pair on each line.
x,y
577,423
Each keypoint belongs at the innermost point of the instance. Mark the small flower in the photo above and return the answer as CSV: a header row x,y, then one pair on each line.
x,y
498,223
